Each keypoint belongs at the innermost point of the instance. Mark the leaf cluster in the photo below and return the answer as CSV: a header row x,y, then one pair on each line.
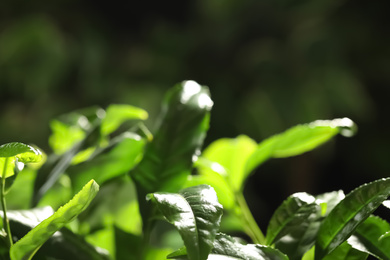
x,y
160,197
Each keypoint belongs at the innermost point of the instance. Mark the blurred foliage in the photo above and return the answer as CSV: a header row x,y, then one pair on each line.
x,y
269,65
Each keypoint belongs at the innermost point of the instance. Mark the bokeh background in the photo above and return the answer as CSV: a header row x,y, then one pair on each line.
x,y
270,64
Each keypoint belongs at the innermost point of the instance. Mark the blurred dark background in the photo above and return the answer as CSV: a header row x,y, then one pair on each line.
x,y
269,65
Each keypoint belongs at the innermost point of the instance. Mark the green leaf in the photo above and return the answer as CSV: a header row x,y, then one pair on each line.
x,y
345,252
368,238
196,213
226,247
63,245
26,247
64,136
184,122
25,153
291,214
299,139
301,237
213,174
117,114
14,153
354,209
168,159
232,154
126,151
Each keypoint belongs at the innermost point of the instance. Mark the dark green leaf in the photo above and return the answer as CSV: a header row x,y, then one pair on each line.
x,y
168,159
368,238
349,213
27,246
293,212
127,246
226,247
184,122
196,213
298,140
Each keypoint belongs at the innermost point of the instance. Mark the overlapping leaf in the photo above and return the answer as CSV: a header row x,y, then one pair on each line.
x,y
369,238
27,246
348,214
196,213
290,215
302,236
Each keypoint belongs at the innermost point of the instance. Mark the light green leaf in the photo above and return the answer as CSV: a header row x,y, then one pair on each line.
x,y
345,252
215,175
23,152
290,215
64,136
196,213
117,114
16,153
232,154
125,152
368,238
354,209
299,139
27,246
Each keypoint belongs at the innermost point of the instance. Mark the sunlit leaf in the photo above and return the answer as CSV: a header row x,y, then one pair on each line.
x,y
196,213
64,136
368,238
349,213
232,154
299,139
27,246
345,252
115,161
117,114
215,175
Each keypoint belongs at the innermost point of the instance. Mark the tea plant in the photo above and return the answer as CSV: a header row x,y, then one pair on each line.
x,y
149,178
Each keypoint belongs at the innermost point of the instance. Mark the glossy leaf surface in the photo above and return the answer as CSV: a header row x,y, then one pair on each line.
x,y
117,114
184,122
292,213
226,248
26,247
301,237
299,139
196,213
168,159
349,213
346,252
15,152
369,238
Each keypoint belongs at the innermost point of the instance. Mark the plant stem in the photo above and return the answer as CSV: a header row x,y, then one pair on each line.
x,y
3,205
250,226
